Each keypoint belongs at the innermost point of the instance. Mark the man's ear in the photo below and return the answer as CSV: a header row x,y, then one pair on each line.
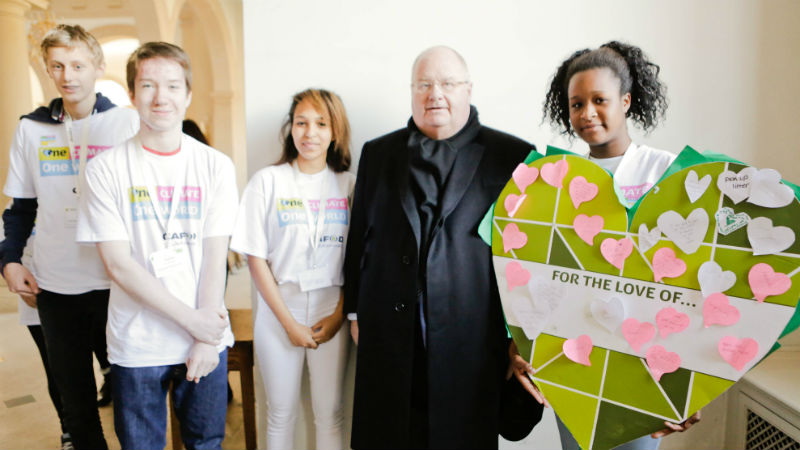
x,y
188,99
626,102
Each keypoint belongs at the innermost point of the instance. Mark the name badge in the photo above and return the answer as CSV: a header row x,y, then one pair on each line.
x,y
70,217
170,260
315,278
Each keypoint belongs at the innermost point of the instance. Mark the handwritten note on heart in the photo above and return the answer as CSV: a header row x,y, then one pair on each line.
x,y
666,264
647,239
532,315
554,173
616,251
660,361
717,310
728,221
737,352
766,239
712,279
637,333
609,314
513,238
764,281
687,233
736,185
579,349
669,320
513,202
696,188
588,227
524,176
767,190
516,275
581,191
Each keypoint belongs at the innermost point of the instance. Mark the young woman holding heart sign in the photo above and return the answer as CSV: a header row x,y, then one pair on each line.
x,y
593,94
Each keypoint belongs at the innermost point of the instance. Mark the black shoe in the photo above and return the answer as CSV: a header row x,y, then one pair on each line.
x,y
104,399
66,442
230,393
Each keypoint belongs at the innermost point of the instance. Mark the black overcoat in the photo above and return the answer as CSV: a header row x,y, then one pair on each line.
x,y
467,340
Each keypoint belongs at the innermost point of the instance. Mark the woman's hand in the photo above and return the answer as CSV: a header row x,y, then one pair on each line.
x,y
521,369
301,336
680,428
326,329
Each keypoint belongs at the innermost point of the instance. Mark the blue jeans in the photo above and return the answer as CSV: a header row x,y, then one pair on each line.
x,y
569,443
140,407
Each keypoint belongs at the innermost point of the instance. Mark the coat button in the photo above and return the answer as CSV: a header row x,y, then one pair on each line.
x,y
406,260
399,307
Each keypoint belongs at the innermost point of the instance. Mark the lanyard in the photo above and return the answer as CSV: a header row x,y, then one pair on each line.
x,y
150,184
314,233
82,152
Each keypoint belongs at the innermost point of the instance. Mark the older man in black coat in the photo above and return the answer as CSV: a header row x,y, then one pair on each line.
x,y
432,344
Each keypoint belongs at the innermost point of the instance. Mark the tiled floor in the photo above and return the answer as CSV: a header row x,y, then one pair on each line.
x,y
27,417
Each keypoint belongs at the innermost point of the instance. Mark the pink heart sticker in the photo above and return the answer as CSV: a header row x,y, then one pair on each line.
x,y
637,333
660,361
524,176
737,352
581,191
666,264
588,227
513,238
616,251
554,173
717,310
513,202
670,320
516,275
764,281
579,349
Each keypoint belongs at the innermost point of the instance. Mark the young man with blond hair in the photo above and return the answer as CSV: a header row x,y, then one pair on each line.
x,y
45,178
160,208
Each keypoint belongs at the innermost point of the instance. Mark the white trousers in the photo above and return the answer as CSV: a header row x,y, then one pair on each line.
x,y
281,365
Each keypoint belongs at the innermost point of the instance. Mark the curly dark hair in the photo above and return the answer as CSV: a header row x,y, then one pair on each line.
x,y
636,73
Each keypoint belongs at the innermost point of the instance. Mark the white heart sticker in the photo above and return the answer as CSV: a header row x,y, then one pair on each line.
x,y
712,279
736,185
768,191
687,233
696,188
531,315
766,239
609,314
647,239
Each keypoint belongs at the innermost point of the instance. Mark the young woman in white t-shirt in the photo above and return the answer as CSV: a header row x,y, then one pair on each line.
x,y
292,225
593,94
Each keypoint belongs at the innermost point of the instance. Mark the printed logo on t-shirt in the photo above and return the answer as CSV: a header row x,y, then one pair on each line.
x,y
634,193
292,212
190,202
56,160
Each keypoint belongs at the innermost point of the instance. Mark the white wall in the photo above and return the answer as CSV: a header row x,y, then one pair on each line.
x,y
731,66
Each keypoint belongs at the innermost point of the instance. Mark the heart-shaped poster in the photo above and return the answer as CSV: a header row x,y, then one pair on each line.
x,y
673,353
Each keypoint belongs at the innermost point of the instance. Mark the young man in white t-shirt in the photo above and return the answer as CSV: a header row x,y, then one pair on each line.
x,y
160,208
46,162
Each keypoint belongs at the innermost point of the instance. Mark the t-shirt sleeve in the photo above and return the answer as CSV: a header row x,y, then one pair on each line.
x,y
99,217
250,233
223,199
19,183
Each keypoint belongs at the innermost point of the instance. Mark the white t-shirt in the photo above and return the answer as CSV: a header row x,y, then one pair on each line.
x,y
637,170
117,207
272,222
41,167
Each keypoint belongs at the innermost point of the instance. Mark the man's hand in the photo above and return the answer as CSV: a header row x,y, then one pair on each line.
x,y
521,369
354,330
208,324
680,428
301,336
326,329
21,281
203,359
29,299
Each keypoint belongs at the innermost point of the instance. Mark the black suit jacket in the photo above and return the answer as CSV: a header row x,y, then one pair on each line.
x,y
467,341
